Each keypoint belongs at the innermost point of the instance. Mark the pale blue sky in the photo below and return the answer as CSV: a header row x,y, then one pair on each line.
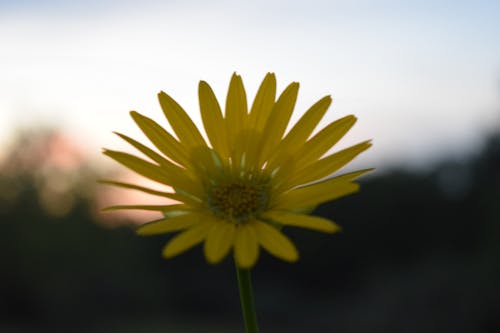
x,y
422,77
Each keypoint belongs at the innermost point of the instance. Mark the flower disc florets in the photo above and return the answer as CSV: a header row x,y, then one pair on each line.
x,y
238,201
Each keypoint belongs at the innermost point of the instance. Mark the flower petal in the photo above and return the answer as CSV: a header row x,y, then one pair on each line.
x,y
314,148
314,194
219,240
159,208
183,126
186,240
235,116
275,242
162,139
278,121
259,115
169,195
168,174
213,122
325,139
246,247
317,194
303,221
299,133
166,225
328,165
142,167
263,103
143,149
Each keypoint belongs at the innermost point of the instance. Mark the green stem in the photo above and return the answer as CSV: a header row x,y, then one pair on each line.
x,y
246,298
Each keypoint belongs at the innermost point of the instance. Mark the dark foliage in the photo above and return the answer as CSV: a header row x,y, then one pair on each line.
x,y
419,252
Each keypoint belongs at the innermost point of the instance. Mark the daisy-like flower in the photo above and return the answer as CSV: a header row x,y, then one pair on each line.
x,y
238,192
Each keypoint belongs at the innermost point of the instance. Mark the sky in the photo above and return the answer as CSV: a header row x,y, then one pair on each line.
x,y
423,77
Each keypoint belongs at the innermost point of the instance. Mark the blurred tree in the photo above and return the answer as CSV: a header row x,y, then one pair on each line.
x,y
419,253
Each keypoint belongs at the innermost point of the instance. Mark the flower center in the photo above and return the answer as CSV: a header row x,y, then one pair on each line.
x,y
238,202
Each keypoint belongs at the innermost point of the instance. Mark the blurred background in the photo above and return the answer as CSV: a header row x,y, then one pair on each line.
x,y
420,247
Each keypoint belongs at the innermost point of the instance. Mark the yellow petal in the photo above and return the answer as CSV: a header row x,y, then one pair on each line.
x,y
213,122
169,195
166,225
143,149
235,116
303,221
182,125
142,167
163,140
328,165
300,132
316,147
315,194
275,242
208,162
326,138
278,121
186,240
263,103
168,174
246,247
259,114
219,240
159,208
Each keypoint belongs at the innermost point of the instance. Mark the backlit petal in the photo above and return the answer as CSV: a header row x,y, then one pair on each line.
x,y
275,242
169,174
186,240
163,140
303,221
259,115
328,165
263,103
316,147
246,247
235,117
211,115
182,125
300,132
315,194
169,224
219,241
143,149
159,208
169,195
278,121
326,138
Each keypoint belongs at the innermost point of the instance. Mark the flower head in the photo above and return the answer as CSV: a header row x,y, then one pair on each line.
x,y
237,192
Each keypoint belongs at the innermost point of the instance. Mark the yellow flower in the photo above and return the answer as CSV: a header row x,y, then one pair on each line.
x,y
251,180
